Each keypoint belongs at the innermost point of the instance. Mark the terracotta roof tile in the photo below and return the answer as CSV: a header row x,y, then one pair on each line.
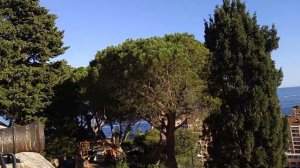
x,y
293,120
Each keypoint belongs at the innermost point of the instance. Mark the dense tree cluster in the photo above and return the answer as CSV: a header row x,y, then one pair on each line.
x,y
160,80
166,81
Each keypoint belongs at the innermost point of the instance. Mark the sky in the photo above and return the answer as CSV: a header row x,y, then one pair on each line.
x,y
93,25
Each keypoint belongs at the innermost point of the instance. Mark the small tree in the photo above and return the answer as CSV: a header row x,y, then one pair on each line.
x,y
161,78
248,130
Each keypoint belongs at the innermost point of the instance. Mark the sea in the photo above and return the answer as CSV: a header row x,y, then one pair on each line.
x,y
288,97
140,126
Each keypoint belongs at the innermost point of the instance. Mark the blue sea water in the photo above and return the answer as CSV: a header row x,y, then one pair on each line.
x,y
288,98
140,126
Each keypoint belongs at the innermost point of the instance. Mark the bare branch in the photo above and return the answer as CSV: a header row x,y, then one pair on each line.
x,y
160,105
182,123
183,113
149,88
154,125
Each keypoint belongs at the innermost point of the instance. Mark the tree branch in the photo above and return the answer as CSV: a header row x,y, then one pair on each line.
x,y
154,125
160,105
182,123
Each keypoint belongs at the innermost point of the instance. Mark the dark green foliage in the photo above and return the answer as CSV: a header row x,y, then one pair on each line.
x,y
61,146
106,94
28,40
187,147
28,90
67,116
286,137
247,131
143,149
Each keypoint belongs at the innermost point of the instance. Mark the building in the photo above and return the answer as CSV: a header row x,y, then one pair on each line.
x,y
294,124
293,154
296,111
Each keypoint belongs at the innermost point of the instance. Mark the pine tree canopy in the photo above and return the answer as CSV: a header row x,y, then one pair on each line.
x,y
248,129
161,78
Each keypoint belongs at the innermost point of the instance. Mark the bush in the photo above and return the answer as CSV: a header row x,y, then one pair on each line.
x,y
122,164
186,147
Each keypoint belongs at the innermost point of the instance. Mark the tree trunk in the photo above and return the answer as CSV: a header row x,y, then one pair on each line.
x,y
112,133
100,125
101,134
126,132
170,144
160,148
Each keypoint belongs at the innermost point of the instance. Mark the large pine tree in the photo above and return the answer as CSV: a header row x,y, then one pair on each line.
x,y
156,78
248,129
28,39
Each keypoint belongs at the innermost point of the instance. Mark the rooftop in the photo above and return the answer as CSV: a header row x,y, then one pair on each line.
x,y
293,120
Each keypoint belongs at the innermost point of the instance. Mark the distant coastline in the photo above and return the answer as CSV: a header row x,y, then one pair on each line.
x,y
287,87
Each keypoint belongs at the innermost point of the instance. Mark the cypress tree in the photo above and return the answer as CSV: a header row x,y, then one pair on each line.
x,y
28,40
248,129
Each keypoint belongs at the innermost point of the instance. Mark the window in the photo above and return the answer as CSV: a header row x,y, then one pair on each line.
x,y
296,139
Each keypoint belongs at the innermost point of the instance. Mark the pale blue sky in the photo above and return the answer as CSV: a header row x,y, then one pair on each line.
x,y
92,25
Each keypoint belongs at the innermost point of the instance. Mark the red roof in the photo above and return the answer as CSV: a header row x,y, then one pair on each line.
x,y
293,120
